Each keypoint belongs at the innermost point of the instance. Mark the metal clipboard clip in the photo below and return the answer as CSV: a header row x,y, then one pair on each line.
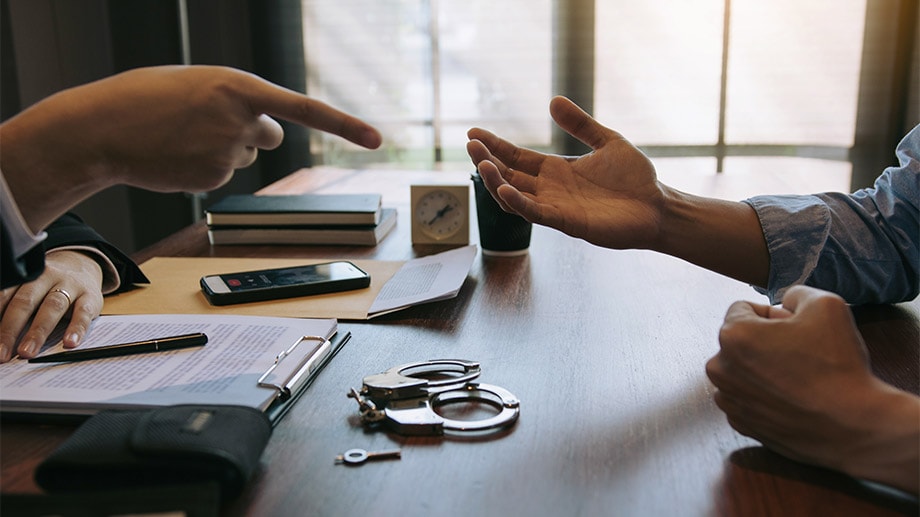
x,y
408,404
308,364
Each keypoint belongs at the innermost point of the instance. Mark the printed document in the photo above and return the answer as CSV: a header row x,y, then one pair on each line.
x,y
428,279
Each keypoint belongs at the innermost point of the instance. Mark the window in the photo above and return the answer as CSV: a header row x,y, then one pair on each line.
x,y
658,69
793,71
781,81
425,71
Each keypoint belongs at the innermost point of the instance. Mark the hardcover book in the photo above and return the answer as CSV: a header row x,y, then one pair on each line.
x,y
356,235
296,210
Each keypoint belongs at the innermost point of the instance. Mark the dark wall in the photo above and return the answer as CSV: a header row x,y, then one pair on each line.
x,y
146,33
887,106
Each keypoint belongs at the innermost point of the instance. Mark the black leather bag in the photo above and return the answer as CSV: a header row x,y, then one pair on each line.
x,y
165,446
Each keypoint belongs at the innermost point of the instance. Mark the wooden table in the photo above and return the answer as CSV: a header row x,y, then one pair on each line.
x,y
606,351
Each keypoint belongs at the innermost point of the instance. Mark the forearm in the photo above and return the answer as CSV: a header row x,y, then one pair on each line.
x,y
48,161
722,236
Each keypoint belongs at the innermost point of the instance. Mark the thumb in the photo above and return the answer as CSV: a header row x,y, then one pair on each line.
x,y
576,122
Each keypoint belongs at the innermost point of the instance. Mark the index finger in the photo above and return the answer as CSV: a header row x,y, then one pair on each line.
x,y
800,295
522,159
5,296
280,102
742,311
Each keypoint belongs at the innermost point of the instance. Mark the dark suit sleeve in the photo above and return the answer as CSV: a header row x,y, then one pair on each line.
x,y
16,271
70,230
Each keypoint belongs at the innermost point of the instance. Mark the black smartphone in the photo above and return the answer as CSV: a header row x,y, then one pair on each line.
x,y
287,282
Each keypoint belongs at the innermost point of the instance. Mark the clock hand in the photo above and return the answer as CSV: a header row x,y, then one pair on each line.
x,y
441,213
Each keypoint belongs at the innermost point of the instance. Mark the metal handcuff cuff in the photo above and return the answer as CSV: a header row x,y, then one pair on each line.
x,y
406,404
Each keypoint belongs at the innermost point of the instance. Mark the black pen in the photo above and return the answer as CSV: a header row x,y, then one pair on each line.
x,y
137,347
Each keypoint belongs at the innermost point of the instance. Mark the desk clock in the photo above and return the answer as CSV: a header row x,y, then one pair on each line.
x,y
440,214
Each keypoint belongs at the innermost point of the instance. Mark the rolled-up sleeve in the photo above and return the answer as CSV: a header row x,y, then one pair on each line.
x,y
863,246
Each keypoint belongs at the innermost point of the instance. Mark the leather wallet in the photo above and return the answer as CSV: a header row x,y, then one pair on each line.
x,y
164,446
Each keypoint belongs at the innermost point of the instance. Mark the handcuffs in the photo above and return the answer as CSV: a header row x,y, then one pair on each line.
x,y
407,405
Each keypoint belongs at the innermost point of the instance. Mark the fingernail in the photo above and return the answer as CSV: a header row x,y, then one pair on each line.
x,y
28,348
5,353
73,340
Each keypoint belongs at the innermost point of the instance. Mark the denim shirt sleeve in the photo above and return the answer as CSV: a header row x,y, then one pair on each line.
x,y
863,246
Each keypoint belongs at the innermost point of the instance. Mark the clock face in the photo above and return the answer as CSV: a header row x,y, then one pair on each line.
x,y
440,214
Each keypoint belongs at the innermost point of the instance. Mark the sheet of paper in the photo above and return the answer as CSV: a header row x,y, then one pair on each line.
x,y
226,370
174,287
425,279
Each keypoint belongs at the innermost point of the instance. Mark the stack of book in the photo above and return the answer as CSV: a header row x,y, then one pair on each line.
x,y
322,219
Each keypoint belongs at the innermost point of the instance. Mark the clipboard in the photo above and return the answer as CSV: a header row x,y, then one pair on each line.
x,y
289,392
266,363
297,382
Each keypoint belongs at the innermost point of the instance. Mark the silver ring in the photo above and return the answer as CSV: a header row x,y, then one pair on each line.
x,y
66,295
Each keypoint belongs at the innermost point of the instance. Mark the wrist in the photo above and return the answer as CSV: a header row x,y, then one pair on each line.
x,y
678,213
110,280
719,235
886,445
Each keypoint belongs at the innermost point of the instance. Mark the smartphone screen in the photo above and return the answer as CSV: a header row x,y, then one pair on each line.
x,y
269,284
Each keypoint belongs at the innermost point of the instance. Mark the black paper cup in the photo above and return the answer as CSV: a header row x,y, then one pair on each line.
x,y
500,233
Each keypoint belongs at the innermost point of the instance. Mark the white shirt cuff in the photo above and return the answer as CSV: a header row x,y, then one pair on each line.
x,y
21,236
